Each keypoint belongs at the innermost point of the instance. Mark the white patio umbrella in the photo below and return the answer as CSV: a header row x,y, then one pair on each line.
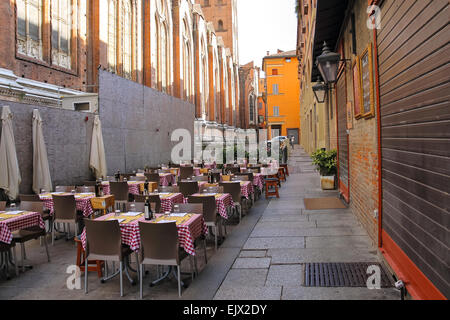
x,y
98,160
41,170
9,165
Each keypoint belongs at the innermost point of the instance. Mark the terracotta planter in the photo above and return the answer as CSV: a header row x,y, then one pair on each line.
x,y
327,182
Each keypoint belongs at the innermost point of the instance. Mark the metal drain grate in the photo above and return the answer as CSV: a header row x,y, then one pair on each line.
x,y
341,275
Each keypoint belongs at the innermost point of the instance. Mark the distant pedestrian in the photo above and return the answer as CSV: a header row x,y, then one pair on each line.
x,y
292,141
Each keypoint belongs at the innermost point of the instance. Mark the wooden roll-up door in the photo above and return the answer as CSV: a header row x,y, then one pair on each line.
x,y
343,149
414,75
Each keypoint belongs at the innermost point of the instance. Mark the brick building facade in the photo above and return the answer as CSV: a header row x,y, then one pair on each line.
x,y
376,114
170,46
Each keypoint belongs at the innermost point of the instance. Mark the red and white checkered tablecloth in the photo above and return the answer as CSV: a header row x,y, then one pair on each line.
x,y
166,179
8,226
223,201
246,189
83,204
258,180
133,187
167,202
187,233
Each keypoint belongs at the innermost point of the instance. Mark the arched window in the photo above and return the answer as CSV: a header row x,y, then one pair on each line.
x,y
112,35
61,22
187,65
29,28
220,26
204,77
163,46
126,36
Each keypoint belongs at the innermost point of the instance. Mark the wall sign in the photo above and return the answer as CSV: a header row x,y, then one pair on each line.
x,y
356,70
367,94
349,115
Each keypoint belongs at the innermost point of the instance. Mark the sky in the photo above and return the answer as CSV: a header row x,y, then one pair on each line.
x,y
265,25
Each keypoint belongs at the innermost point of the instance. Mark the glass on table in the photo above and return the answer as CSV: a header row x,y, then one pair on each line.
x,y
132,207
117,213
12,207
176,208
73,191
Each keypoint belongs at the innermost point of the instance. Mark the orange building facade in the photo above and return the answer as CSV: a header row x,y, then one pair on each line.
x,y
282,94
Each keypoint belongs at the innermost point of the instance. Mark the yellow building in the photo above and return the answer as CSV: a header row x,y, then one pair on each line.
x,y
283,91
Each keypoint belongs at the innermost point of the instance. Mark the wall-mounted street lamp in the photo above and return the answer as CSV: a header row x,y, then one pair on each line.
x,y
328,64
320,91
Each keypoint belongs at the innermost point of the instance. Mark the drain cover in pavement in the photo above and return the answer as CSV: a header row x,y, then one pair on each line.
x,y
342,275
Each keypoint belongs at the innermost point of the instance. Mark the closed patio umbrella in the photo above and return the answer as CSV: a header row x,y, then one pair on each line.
x,y
97,159
9,166
41,171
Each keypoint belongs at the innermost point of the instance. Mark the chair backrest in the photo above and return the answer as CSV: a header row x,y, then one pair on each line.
x,y
164,171
119,190
137,178
209,207
246,174
215,189
186,172
127,176
188,188
29,197
65,207
159,241
64,188
240,178
215,176
103,239
32,206
173,189
200,178
138,206
155,201
189,208
233,188
2,205
233,170
85,189
152,177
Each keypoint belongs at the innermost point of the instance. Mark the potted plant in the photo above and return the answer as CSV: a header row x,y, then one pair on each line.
x,y
325,162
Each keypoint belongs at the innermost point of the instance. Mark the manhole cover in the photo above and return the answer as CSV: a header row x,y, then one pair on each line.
x,y
342,275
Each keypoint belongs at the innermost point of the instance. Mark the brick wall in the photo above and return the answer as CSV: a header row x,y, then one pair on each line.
x,y
363,153
38,70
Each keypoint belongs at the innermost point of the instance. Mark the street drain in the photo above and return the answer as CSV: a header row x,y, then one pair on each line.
x,y
342,275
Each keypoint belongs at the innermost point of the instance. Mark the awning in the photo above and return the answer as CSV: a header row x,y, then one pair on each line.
x,y
329,19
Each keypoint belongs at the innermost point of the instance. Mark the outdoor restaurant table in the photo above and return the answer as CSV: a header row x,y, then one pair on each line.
x,y
134,187
246,188
168,200
165,179
83,201
11,221
102,203
190,227
258,180
223,201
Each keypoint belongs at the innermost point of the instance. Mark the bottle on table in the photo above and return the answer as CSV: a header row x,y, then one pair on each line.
x,y
146,186
148,214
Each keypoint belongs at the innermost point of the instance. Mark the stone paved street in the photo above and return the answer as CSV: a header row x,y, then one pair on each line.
x,y
262,258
